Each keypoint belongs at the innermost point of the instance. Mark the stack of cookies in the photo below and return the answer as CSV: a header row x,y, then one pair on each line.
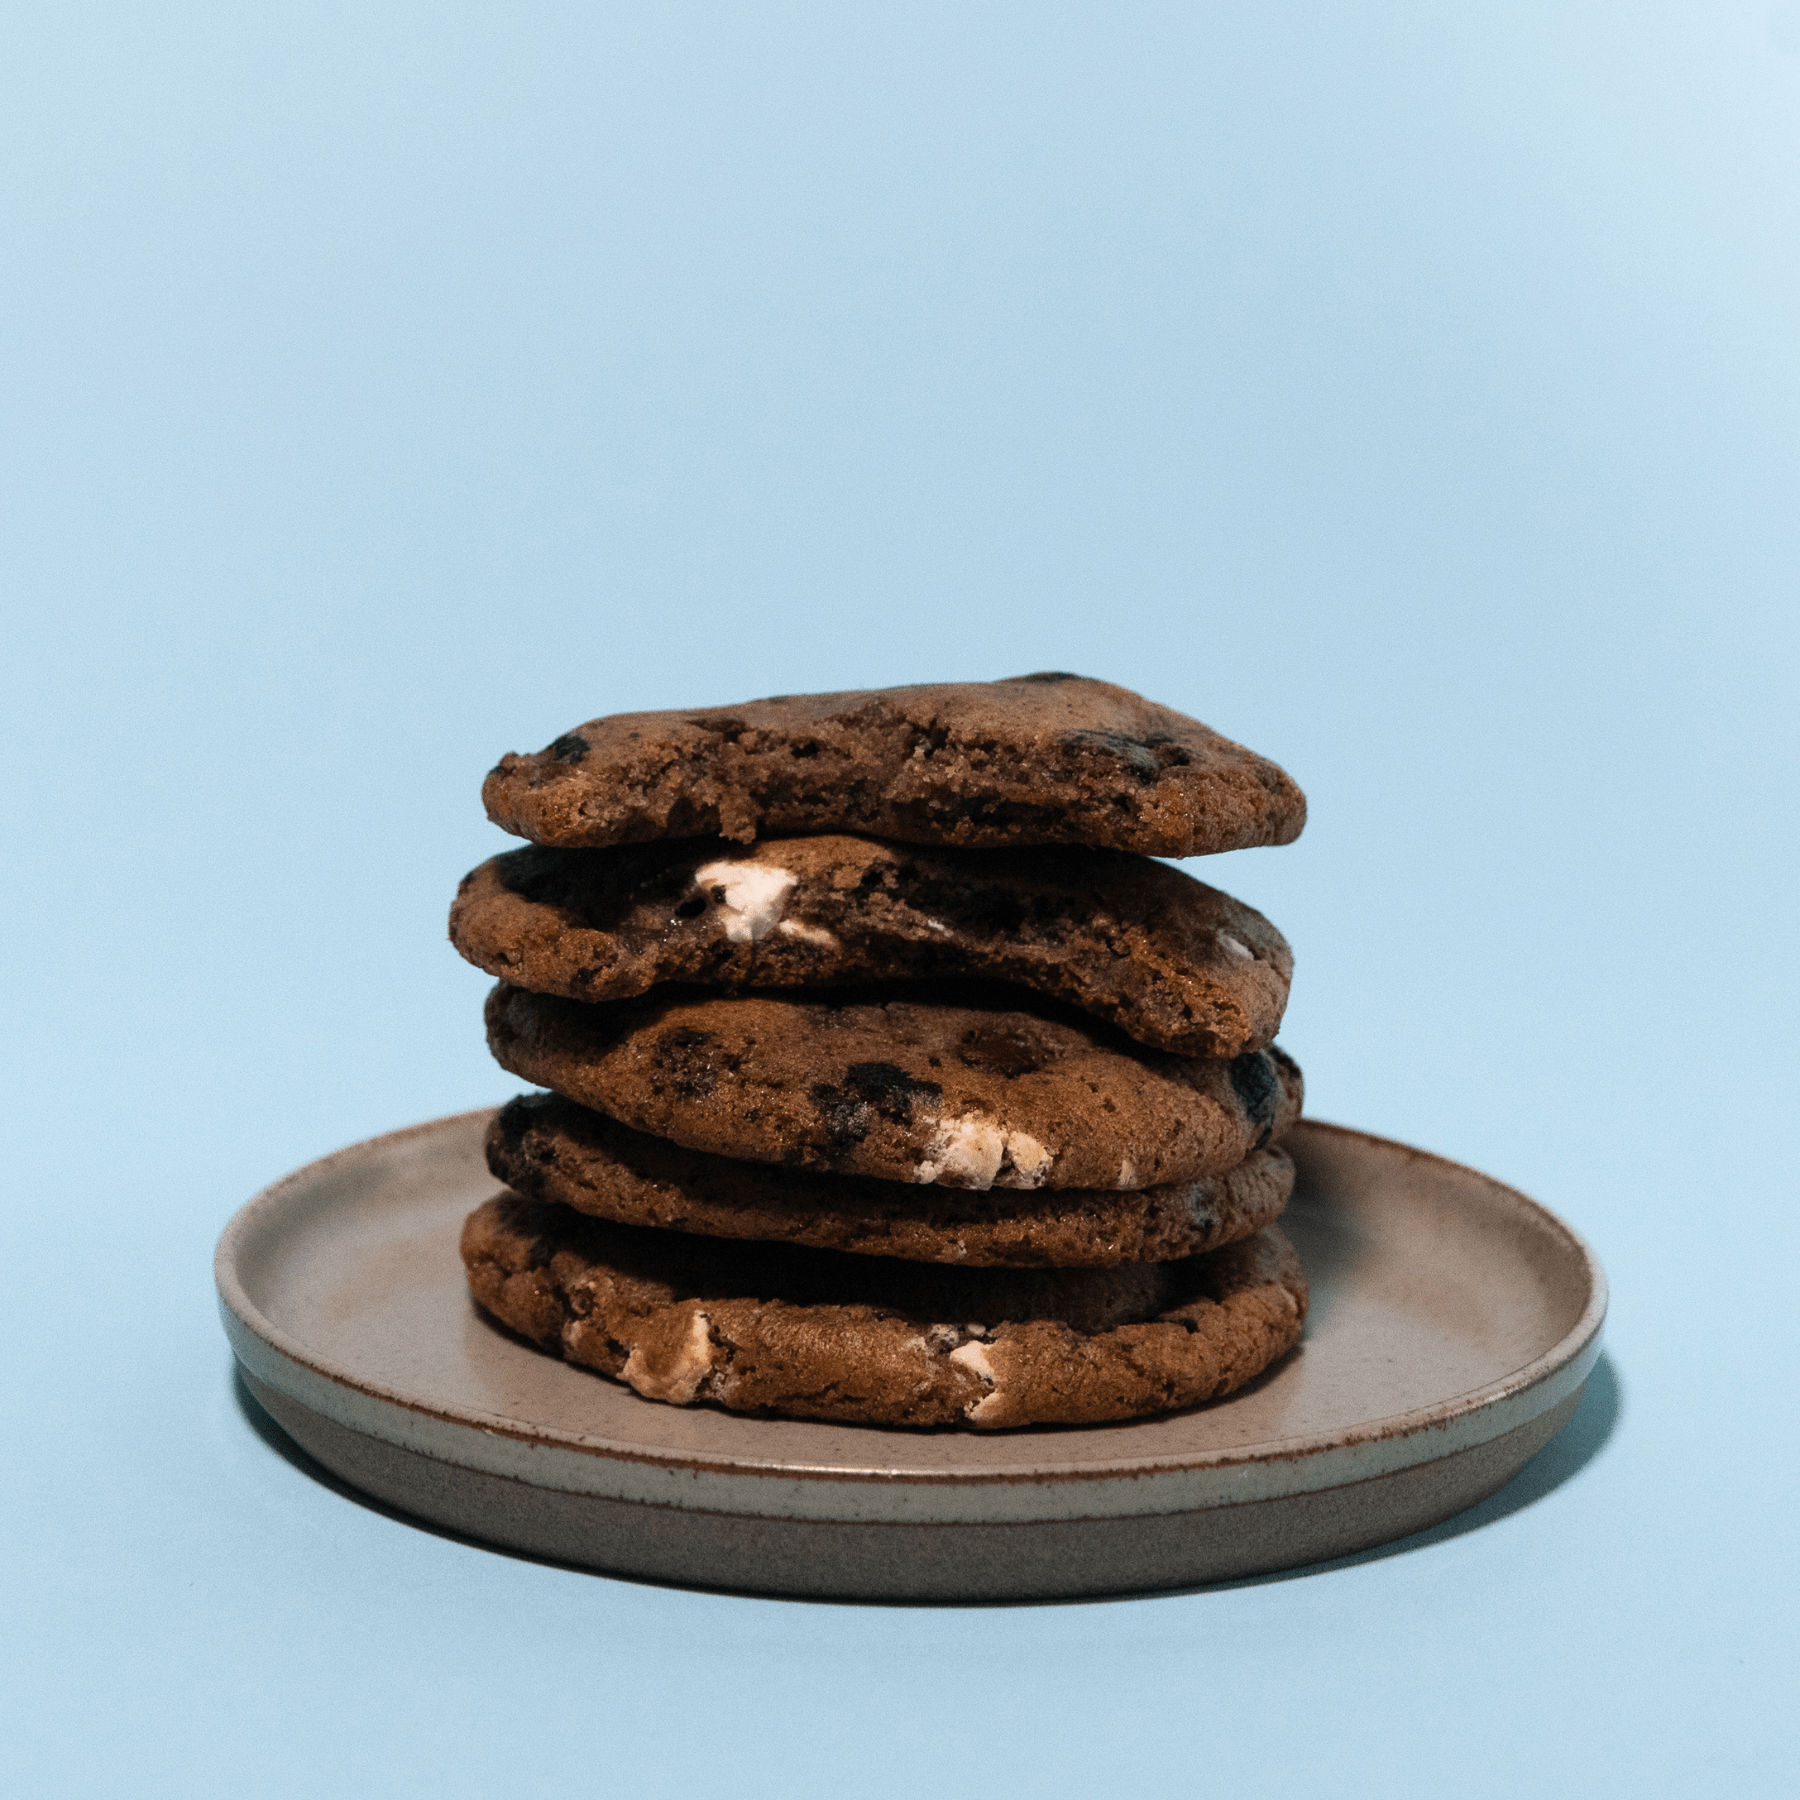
x,y
889,1080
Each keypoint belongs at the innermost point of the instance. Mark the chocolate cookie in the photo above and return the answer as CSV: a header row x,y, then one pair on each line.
x,y
1039,759
1167,959
547,1148
968,1090
866,1340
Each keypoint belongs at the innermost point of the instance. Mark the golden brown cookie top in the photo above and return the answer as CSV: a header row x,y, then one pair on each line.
x,y
1036,759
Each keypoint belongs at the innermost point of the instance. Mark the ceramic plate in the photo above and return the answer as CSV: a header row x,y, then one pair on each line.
x,y
1453,1324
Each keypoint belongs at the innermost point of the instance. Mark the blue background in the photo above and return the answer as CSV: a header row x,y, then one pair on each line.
x,y
1407,390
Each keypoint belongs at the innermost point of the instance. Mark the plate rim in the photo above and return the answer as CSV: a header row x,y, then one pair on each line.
x,y
254,1335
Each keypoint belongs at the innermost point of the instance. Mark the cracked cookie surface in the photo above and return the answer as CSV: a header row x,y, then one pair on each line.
x,y
967,1090
547,1148
1170,961
1037,759
813,1335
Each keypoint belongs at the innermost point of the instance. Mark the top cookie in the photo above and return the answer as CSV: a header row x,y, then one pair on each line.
x,y
1038,759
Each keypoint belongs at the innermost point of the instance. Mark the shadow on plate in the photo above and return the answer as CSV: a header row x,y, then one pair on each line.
x,y
1564,1457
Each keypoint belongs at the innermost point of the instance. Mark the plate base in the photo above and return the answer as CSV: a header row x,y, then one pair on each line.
x,y
835,1559
1453,1325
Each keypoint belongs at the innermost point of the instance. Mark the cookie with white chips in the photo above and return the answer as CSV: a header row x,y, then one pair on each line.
x,y
808,1334
547,1148
1170,961
965,1087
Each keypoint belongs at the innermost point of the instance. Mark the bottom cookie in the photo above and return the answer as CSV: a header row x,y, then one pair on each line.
x,y
817,1334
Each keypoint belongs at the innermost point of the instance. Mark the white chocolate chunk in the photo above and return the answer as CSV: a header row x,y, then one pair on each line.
x,y
680,1381
1237,947
988,1404
809,934
974,1358
750,897
1028,1161
964,1152
974,1152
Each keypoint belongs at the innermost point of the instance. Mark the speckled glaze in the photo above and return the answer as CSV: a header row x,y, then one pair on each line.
x,y
1454,1322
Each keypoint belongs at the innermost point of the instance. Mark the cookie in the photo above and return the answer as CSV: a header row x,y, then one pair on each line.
x,y
866,1340
967,1090
1168,960
547,1148
1039,759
